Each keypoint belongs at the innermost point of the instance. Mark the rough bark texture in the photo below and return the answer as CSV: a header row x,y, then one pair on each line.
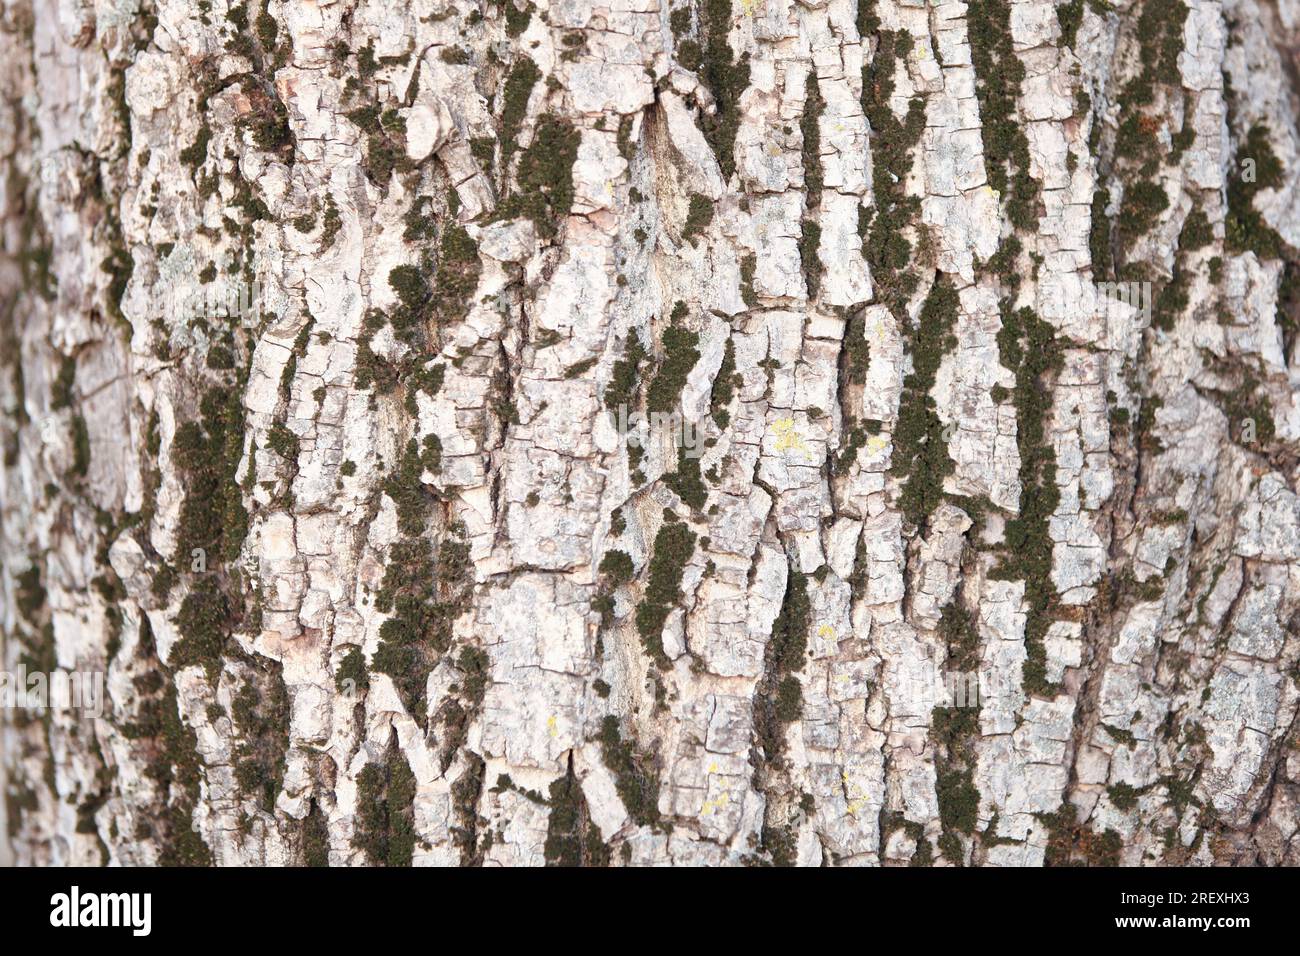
x,y
374,578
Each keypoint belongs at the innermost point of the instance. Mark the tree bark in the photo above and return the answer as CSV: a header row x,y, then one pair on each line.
x,y
957,522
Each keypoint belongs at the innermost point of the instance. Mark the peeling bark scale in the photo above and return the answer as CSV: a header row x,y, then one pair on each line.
x,y
694,432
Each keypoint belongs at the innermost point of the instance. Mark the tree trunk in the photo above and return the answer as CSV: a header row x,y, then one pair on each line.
x,y
718,432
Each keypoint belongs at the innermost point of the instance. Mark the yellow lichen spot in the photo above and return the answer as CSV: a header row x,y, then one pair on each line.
x,y
718,803
553,726
854,797
826,634
876,444
787,438
747,7
713,767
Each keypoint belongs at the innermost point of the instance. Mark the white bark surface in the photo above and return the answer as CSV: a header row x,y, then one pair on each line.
x,y
343,563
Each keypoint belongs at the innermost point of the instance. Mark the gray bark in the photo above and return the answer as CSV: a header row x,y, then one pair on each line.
x,y
986,315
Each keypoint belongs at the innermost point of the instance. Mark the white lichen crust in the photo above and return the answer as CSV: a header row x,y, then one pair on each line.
x,y
319,320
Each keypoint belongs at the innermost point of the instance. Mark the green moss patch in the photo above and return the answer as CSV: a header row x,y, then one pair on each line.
x,y
458,273
572,839
998,75
1244,228
680,356
1027,345
422,591
519,85
920,452
674,545
778,699
625,380
698,216
260,710
883,227
635,777
726,77
207,452
385,821
545,176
